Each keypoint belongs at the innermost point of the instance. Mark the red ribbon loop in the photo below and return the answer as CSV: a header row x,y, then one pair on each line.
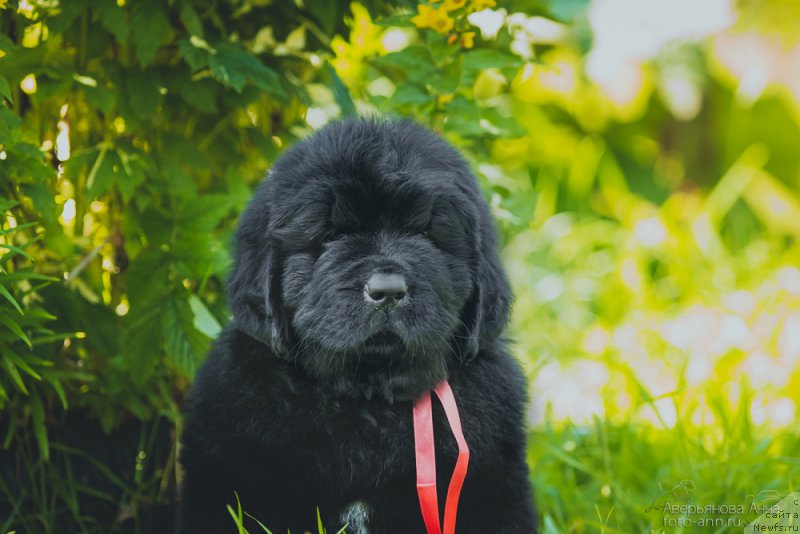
x,y
426,460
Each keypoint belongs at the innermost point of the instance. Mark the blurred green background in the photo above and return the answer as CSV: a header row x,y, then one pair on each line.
x,y
642,159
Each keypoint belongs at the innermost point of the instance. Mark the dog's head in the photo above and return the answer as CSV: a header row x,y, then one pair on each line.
x,y
368,256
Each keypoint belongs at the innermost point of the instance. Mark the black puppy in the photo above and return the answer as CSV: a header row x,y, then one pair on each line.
x,y
366,273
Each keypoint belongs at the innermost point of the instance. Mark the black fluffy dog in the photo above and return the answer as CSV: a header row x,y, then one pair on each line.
x,y
365,274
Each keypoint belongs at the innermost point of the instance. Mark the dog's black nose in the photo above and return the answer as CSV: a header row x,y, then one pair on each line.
x,y
385,290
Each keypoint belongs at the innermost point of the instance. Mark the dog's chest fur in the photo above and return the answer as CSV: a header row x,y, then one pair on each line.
x,y
358,440
355,518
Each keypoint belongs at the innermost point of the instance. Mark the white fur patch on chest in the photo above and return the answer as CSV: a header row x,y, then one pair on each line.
x,y
356,517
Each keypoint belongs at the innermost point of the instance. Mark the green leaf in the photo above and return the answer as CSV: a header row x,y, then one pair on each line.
x,y
102,96
505,126
201,94
22,364
142,91
184,344
409,94
112,170
69,11
341,94
43,201
29,160
9,122
6,44
112,17
732,185
147,287
148,275
463,117
39,313
15,376
9,231
203,213
91,179
445,83
440,49
263,77
567,10
10,298
15,328
135,168
237,514
26,275
196,58
141,339
39,430
190,20
198,256
98,465
478,60
415,62
325,12
5,89
6,204
16,250
58,388
397,21
486,58
204,321
259,523
776,205
234,66
149,25
227,73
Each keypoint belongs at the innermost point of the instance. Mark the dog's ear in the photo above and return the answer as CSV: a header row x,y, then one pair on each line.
x,y
486,312
254,287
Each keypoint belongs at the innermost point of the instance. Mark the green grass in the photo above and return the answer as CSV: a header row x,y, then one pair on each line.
x,y
238,515
607,478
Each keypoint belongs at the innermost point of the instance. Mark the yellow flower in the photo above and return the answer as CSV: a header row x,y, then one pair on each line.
x,y
364,42
421,19
444,99
3,3
468,39
480,5
436,19
452,5
441,22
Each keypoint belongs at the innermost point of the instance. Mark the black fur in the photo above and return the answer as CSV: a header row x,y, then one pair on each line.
x,y
306,398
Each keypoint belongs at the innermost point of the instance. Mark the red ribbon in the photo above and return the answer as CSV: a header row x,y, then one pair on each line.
x,y
426,460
